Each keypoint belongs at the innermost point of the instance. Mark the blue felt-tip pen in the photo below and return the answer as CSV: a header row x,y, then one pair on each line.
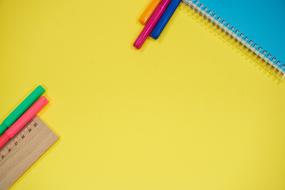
x,y
164,19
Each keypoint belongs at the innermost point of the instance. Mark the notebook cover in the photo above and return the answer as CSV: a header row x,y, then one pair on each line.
x,y
260,24
23,150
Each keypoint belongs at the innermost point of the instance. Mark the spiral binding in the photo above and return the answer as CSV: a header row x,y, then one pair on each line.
x,y
235,33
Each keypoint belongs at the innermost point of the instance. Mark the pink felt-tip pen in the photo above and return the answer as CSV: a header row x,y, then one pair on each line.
x,y
14,129
157,13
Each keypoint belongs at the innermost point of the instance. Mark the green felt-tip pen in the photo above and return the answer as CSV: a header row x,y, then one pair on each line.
x,y
21,108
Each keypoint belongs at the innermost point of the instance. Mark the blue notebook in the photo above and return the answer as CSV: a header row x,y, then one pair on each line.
x,y
258,24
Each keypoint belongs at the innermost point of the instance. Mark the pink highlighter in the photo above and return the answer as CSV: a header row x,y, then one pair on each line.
x,y
22,121
157,13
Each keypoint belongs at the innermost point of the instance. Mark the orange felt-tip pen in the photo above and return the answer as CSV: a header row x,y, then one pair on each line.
x,y
148,11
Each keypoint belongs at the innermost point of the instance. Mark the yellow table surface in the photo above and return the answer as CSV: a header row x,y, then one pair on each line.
x,y
193,110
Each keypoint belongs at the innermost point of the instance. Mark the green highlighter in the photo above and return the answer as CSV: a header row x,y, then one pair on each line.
x,y
20,109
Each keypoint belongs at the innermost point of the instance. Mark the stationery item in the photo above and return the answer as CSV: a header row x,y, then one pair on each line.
x,y
165,18
151,23
23,150
22,121
148,11
20,109
259,25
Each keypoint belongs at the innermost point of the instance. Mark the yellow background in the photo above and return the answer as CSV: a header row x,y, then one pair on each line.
x,y
193,110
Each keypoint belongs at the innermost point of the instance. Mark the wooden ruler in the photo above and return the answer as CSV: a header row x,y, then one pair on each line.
x,y
23,150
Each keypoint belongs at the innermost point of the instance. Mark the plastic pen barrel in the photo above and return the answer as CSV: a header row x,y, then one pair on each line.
x,y
23,121
21,108
151,23
165,18
148,11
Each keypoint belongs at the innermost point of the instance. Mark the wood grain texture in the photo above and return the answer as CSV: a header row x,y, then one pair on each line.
x,y
23,150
